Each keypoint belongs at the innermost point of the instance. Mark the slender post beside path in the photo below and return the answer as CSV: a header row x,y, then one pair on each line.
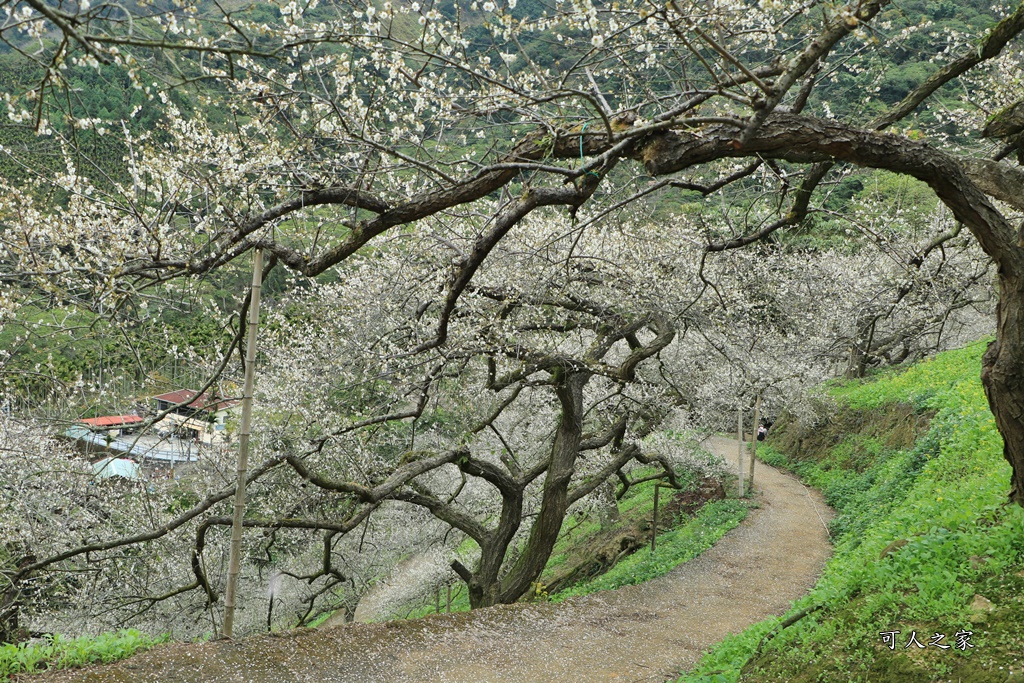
x,y
654,535
243,445
739,444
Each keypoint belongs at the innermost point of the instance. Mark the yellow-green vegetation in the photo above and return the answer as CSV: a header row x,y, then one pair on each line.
x,y
687,539
681,537
924,545
55,652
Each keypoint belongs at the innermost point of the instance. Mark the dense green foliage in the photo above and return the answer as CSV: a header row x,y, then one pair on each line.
x,y
55,652
919,534
96,106
884,76
52,347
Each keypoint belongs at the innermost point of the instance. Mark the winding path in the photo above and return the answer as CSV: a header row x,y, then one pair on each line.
x,y
638,633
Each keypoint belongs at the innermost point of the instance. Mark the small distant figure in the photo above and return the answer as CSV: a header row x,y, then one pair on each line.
x,y
762,432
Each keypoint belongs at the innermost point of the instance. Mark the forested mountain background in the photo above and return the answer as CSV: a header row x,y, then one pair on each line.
x,y
102,104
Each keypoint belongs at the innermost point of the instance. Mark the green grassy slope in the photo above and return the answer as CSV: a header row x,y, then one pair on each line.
x,y
924,545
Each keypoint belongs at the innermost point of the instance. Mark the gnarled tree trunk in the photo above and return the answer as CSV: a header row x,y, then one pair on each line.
x,y
486,585
1002,374
555,498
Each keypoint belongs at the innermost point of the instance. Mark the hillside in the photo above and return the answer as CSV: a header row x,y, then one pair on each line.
x,y
636,633
861,86
925,545
502,253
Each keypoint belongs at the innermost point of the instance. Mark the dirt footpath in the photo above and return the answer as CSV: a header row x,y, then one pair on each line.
x,y
637,633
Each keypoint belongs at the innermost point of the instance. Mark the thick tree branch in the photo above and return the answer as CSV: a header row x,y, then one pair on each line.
x,y
446,513
395,481
845,20
796,214
998,179
531,199
804,139
614,465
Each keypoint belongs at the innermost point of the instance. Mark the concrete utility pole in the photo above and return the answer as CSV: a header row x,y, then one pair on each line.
x,y
243,445
739,443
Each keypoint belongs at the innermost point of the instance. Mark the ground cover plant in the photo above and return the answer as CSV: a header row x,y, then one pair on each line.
x,y
674,547
61,653
924,546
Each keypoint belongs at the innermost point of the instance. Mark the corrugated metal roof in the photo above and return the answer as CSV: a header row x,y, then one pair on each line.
x,y
145,447
112,421
78,432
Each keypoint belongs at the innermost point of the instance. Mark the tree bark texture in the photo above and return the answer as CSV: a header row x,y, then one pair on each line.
x,y
565,449
1002,374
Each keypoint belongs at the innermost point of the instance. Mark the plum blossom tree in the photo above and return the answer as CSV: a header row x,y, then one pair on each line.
x,y
342,125
373,116
549,385
777,321
354,415
537,397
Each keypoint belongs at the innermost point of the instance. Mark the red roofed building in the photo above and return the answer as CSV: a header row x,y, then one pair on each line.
x,y
112,421
195,416
115,425
191,402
